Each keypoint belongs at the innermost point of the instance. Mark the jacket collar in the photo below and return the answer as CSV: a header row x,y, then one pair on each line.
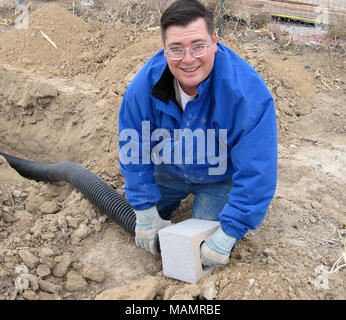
x,y
164,87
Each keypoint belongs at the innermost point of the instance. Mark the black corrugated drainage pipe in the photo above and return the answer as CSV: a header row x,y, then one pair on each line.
x,y
103,196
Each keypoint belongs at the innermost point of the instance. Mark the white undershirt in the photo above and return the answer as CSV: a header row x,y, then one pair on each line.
x,y
181,96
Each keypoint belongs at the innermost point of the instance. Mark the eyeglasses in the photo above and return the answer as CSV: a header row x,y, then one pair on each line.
x,y
197,51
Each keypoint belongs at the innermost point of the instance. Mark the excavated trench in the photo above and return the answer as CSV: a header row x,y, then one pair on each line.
x,y
46,119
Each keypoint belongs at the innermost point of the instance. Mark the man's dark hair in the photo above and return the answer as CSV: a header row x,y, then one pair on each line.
x,y
183,12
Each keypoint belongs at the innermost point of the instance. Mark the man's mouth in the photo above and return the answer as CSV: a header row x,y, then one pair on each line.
x,y
190,70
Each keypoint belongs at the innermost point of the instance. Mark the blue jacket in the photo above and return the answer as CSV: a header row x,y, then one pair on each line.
x,y
233,97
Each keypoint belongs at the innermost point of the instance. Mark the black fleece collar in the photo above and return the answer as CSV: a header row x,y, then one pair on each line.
x,y
164,88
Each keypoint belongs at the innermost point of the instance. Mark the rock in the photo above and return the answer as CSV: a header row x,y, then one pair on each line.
x,y
49,207
3,274
26,61
258,292
242,253
48,296
77,266
94,274
21,269
62,222
81,233
7,217
19,193
269,252
86,56
36,230
144,289
251,282
33,203
284,107
43,90
25,219
92,27
29,259
49,287
27,237
45,252
33,282
103,54
48,235
223,283
30,295
271,261
208,290
183,296
75,282
43,270
316,205
73,222
60,269
286,83
21,282
303,110
169,293
302,295
49,261
280,92
188,292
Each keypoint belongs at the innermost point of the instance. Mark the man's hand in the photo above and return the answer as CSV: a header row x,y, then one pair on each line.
x,y
148,224
217,248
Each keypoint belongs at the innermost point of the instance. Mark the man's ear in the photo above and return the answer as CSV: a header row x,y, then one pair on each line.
x,y
164,47
215,42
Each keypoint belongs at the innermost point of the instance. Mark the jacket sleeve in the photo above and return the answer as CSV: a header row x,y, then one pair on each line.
x,y
253,145
134,151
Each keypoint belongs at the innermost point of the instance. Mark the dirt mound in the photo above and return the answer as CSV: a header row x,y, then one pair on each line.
x,y
293,88
75,47
121,69
110,55
29,46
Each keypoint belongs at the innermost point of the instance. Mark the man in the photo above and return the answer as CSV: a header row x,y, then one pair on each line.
x,y
197,91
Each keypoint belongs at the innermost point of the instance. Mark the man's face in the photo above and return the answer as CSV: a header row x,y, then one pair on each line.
x,y
190,71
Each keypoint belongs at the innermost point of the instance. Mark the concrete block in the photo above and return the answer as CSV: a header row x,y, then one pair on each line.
x,y
180,249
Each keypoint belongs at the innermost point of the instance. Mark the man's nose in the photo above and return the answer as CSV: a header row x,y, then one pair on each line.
x,y
188,58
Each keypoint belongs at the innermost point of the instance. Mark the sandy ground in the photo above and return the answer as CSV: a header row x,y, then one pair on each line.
x,y
61,104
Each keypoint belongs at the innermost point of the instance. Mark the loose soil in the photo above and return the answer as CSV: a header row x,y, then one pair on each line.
x,y
61,104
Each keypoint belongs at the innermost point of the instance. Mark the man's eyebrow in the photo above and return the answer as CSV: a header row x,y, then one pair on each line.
x,y
198,40
179,43
174,44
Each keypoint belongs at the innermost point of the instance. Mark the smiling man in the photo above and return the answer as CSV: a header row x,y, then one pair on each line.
x,y
199,102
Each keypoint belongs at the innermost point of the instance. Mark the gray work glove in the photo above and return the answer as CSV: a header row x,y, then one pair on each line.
x,y
148,224
217,248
